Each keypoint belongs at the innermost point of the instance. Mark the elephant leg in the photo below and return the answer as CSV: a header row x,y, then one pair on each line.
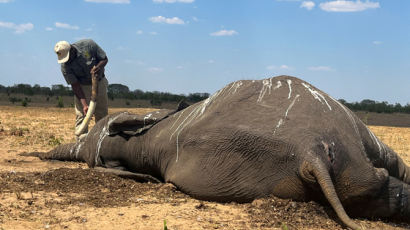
x,y
393,163
129,175
384,157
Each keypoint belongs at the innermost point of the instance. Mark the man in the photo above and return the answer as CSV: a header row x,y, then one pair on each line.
x,y
78,61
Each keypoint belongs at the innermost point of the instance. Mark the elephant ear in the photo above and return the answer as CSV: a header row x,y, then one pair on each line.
x,y
133,124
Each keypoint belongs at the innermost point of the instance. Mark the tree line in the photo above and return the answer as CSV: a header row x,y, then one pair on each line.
x,y
114,91
375,106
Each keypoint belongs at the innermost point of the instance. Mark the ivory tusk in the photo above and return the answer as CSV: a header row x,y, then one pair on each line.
x,y
91,108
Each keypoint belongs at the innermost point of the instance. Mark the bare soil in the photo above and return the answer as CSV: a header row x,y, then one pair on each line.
x,y
37,194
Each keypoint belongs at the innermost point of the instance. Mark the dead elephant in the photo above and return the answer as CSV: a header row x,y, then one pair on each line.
x,y
279,136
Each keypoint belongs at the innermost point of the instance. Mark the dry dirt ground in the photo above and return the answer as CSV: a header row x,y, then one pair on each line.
x,y
37,194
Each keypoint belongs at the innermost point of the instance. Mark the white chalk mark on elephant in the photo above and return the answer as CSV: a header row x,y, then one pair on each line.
x,y
72,150
195,113
351,118
290,88
291,105
278,85
147,117
266,85
318,96
349,115
282,121
375,140
104,132
177,118
77,150
237,85
278,125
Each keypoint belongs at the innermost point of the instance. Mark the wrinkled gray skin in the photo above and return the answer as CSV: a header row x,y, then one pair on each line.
x,y
279,136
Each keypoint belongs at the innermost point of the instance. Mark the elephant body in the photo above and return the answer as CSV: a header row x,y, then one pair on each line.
x,y
279,136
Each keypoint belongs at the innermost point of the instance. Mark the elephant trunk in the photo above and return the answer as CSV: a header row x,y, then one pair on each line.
x,y
319,171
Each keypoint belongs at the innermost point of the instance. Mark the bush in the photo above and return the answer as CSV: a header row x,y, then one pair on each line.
x,y
14,99
24,103
60,102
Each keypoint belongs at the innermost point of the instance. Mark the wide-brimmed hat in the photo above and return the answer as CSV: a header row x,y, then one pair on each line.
x,y
62,49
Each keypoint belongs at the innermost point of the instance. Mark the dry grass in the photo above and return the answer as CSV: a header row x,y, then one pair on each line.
x,y
396,138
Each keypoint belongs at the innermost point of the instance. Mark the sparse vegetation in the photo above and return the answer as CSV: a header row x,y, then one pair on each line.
x,y
14,131
54,141
60,102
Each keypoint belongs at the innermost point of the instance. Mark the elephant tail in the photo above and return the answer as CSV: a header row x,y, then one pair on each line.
x,y
317,172
66,152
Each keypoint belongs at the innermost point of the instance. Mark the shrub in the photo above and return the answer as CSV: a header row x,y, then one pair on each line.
x,y
54,141
24,103
60,102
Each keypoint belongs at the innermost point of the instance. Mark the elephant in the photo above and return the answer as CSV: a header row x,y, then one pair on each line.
x,y
279,136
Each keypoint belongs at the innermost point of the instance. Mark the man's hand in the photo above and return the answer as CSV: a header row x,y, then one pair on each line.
x,y
85,109
85,106
95,69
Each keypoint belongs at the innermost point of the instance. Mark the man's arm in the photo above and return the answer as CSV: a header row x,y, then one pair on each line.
x,y
78,92
101,64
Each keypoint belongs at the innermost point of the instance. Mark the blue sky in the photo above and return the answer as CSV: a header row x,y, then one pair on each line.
x,y
350,49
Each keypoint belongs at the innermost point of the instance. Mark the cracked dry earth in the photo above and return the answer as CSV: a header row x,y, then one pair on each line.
x,y
37,194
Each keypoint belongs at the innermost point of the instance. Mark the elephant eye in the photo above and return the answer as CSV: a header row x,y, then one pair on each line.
x,y
330,151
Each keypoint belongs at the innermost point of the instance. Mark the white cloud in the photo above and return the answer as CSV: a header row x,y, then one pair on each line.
x,y
195,19
377,42
309,5
139,32
134,62
5,1
89,29
348,6
110,1
66,26
153,33
162,19
155,70
120,48
49,29
173,1
211,61
18,29
282,67
224,33
320,68
180,67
